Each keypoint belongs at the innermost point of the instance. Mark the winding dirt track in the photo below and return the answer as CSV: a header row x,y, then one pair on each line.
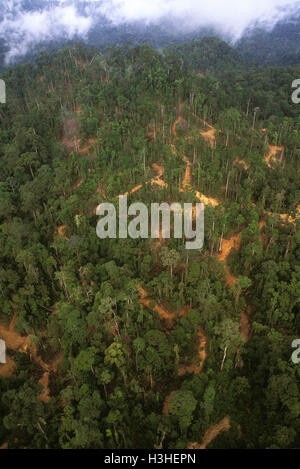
x,y
178,119
209,135
227,245
207,200
187,180
162,312
44,381
18,343
212,433
198,362
197,366
158,179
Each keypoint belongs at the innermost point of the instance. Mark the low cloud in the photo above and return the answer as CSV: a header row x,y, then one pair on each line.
x,y
21,30
22,27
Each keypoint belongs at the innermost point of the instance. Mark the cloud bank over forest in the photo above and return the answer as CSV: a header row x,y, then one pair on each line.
x,y
26,23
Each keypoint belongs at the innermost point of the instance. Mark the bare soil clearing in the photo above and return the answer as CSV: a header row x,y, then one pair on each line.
x,y
273,154
158,179
209,136
207,200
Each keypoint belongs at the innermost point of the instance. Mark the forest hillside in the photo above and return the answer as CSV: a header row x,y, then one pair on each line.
x,y
140,343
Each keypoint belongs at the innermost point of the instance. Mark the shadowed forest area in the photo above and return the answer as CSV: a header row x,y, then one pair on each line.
x,y
140,343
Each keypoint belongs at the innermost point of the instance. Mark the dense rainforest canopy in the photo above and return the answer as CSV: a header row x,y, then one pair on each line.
x,y
140,343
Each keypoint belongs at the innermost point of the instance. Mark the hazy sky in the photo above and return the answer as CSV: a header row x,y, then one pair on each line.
x,y
22,30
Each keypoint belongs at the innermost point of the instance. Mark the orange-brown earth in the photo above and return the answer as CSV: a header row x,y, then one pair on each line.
x,y
209,136
19,343
285,217
241,162
158,179
212,433
273,154
178,120
44,381
207,200
162,312
186,183
7,369
135,189
187,180
198,362
61,231
227,245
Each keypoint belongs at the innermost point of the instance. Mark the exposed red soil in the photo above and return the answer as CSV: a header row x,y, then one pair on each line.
x,y
227,245
273,154
162,312
209,136
198,362
212,433
207,200
61,230
158,179
186,183
18,343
